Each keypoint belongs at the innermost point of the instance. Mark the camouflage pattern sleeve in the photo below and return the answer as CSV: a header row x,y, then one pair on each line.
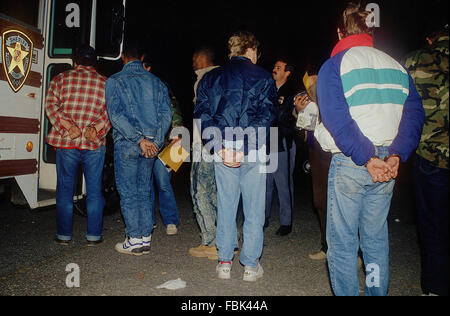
x,y
429,69
177,119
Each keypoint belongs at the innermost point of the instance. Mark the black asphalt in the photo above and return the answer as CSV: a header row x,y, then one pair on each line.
x,y
32,264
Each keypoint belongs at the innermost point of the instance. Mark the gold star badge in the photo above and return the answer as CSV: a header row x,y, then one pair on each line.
x,y
18,55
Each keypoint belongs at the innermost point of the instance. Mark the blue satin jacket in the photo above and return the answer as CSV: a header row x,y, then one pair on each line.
x,y
239,94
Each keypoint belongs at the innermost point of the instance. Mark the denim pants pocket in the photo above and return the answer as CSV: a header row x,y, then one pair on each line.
x,y
350,178
129,151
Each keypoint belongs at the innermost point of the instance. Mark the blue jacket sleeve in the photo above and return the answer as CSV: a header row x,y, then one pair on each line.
x,y
265,116
116,116
336,116
204,111
411,125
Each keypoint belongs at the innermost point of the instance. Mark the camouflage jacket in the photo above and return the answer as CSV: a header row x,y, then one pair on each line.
x,y
177,117
429,69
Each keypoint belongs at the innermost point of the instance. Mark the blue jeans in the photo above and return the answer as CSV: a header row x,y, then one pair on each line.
x,y
431,188
357,205
67,163
166,196
283,179
231,183
134,184
204,199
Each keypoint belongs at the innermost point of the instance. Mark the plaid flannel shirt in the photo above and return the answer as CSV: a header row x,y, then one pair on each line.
x,y
77,96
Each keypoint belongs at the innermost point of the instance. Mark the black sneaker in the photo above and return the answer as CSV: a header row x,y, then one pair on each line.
x,y
284,230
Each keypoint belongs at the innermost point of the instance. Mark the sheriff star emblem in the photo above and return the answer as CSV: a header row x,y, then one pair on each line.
x,y
17,57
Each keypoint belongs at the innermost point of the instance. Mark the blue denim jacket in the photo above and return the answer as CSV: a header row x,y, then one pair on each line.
x,y
138,105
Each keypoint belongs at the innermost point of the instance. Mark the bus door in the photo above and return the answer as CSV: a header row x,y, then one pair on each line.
x,y
70,24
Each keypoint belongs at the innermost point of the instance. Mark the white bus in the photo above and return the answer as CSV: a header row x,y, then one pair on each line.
x,y
36,42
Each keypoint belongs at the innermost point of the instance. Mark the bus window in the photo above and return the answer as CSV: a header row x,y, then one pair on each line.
x,y
109,26
70,25
49,153
26,11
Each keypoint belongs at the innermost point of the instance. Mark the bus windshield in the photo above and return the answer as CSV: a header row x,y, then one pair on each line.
x,y
70,24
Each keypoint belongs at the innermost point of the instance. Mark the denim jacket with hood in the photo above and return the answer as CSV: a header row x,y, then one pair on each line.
x,y
138,105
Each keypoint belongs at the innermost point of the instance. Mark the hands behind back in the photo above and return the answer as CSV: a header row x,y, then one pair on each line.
x,y
149,149
383,171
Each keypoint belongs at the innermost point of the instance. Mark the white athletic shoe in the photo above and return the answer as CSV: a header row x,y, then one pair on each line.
x,y
223,270
253,274
131,246
146,243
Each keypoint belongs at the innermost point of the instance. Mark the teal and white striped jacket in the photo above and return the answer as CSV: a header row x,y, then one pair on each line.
x,y
367,100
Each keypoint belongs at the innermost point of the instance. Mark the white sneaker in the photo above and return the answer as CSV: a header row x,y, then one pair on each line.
x,y
223,270
171,230
146,243
252,274
131,246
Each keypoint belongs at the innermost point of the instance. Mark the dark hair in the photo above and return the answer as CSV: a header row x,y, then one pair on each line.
x,y
289,67
354,20
133,49
207,51
85,55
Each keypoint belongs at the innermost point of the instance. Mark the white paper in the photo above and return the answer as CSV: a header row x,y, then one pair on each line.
x,y
173,285
308,118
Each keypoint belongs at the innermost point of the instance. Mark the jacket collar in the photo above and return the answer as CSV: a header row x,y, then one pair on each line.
x,y
135,64
201,72
352,41
442,39
89,68
240,58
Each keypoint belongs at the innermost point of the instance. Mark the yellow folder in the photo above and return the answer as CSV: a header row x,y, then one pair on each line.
x,y
173,156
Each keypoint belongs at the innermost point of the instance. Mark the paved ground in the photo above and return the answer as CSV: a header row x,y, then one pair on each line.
x,y
32,264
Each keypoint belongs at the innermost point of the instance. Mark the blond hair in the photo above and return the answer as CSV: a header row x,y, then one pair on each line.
x,y
355,20
240,42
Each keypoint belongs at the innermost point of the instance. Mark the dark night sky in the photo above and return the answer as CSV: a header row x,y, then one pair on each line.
x,y
304,31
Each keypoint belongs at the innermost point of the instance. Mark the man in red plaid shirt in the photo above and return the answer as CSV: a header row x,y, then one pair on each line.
x,y
75,106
